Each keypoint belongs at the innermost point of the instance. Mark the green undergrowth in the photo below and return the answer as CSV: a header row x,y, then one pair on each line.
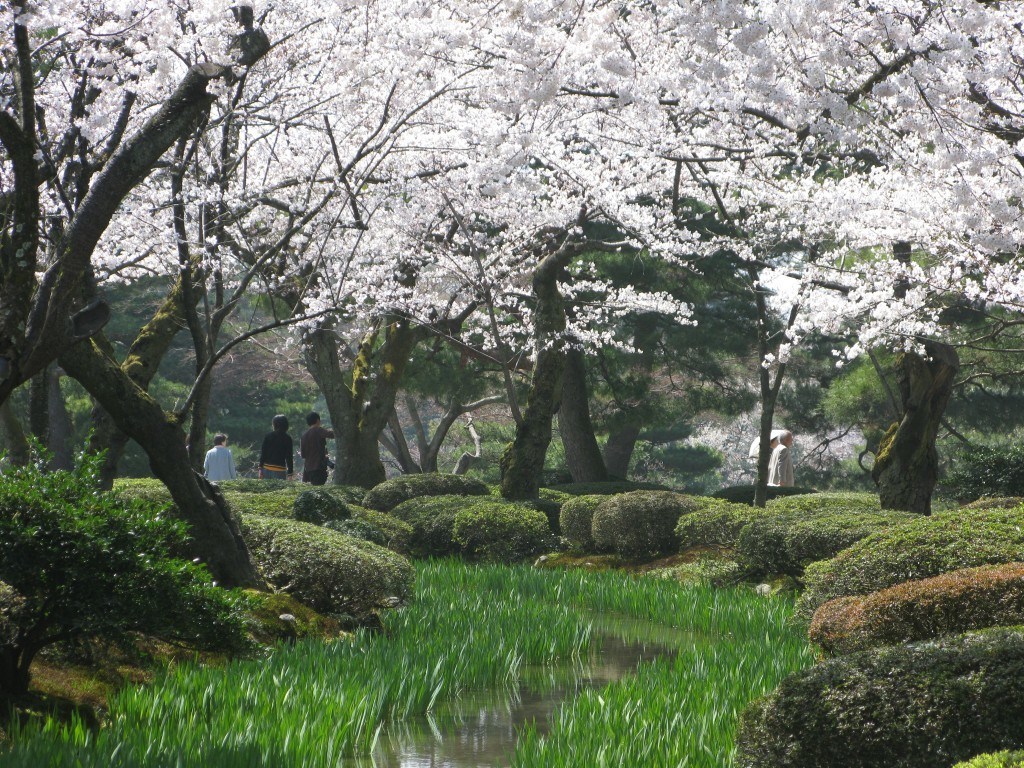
x,y
469,628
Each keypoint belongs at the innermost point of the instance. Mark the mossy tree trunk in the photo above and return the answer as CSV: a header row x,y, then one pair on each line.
x,y
618,450
582,453
361,393
907,466
15,443
523,460
215,537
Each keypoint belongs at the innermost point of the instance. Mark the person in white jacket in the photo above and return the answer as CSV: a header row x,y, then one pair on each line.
x,y
780,468
219,464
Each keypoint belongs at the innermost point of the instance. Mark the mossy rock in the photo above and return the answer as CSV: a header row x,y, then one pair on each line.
x,y
744,494
641,523
953,603
265,610
919,549
925,705
328,571
389,494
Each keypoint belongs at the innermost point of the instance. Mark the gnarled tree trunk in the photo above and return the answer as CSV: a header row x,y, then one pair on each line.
x,y
215,537
907,466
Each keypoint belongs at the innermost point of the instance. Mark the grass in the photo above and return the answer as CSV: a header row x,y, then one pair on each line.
x,y
470,628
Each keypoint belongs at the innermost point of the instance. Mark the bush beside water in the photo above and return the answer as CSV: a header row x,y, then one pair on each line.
x,y
972,598
640,523
577,519
920,549
926,705
328,571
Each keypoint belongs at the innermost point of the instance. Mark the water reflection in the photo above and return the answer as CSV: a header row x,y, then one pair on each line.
x,y
480,729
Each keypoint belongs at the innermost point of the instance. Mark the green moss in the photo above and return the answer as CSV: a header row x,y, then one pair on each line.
x,y
266,610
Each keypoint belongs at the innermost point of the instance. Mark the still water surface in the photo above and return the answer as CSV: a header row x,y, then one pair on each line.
x,y
479,730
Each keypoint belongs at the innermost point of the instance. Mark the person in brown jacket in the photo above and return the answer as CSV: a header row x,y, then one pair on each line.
x,y
313,449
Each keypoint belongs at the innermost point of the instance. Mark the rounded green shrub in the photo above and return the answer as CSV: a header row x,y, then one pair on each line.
x,y
81,563
1004,759
279,503
925,705
640,523
607,488
919,549
786,540
995,502
717,524
360,529
393,492
501,532
432,519
397,533
317,506
983,471
744,494
328,571
576,519
953,603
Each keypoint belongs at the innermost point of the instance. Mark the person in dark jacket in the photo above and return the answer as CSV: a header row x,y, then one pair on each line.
x,y
313,449
276,453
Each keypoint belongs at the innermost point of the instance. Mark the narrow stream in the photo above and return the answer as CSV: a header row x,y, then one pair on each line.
x,y
480,729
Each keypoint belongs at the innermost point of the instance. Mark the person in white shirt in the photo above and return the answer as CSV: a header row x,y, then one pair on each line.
x,y
219,464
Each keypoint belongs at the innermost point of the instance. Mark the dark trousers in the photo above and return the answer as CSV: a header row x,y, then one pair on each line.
x,y
316,477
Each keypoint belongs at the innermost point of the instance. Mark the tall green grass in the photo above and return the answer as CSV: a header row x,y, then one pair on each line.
x,y
313,704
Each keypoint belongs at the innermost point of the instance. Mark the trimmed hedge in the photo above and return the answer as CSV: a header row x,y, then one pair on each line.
x,y
501,532
640,523
317,506
609,488
983,471
718,524
1005,759
971,598
920,549
393,492
744,494
577,519
996,502
800,530
397,533
926,705
432,519
328,571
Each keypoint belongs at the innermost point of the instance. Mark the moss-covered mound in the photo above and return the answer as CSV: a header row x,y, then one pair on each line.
x,y
501,532
393,492
926,705
266,609
953,603
1004,759
787,540
744,494
328,571
609,488
920,549
577,519
641,523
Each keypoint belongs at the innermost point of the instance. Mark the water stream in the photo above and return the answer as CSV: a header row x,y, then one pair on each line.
x,y
480,728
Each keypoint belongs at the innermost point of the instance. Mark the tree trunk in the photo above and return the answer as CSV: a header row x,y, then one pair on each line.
x,y
907,466
15,443
59,433
582,453
215,537
14,671
618,450
523,460
361,398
